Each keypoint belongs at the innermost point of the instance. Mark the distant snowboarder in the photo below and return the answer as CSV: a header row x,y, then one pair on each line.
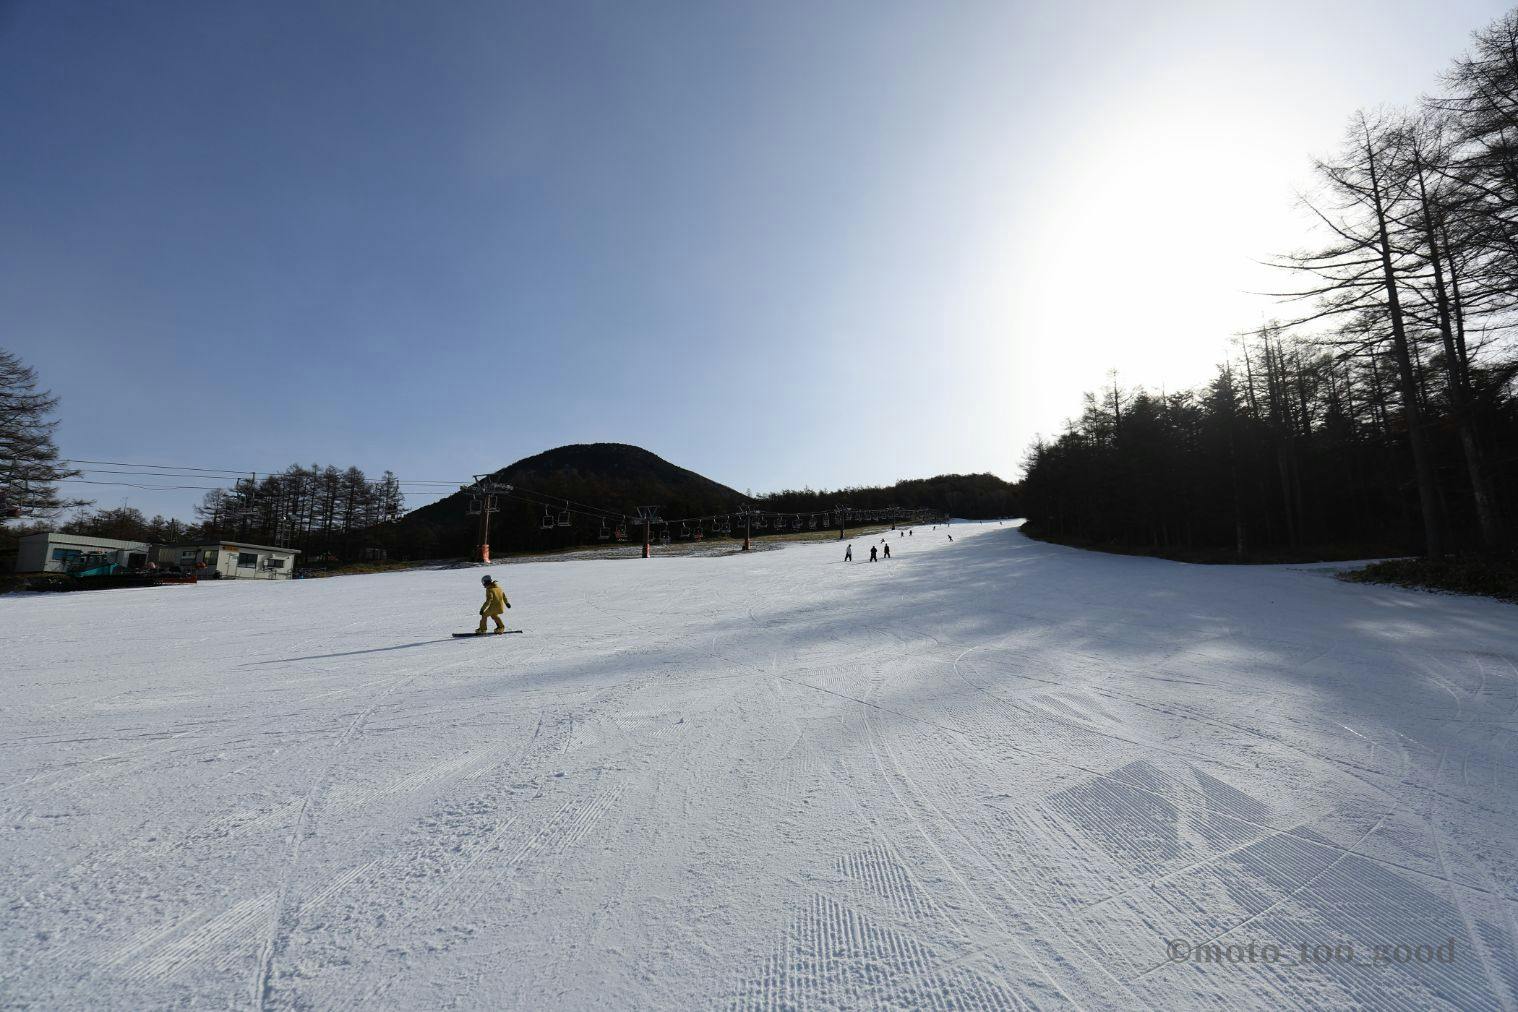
x,y
873,550
888,551
495,604
848,554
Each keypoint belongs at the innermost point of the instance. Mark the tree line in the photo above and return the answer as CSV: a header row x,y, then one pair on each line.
x,y
326,512
322,510
1382,412
971,496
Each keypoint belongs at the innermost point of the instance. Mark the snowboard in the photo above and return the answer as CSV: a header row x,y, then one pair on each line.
x,y
465,636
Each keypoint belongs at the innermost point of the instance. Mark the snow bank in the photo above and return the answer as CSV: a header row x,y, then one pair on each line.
x,y
987,774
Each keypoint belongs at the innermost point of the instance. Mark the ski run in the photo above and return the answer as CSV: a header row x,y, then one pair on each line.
x,y
983,774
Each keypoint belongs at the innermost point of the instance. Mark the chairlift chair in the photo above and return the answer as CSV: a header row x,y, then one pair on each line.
x,y
474,506
796,524
563,518
604,534
548,523
620,533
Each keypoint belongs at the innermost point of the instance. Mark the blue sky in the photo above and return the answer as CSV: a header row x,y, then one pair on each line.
x,y
782,244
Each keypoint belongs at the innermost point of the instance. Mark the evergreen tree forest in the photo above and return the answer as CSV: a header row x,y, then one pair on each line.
x,y
971,496
1381,411
326,512
323,511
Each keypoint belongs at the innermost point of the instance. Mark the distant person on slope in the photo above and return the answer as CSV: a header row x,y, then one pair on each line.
x,y
888,551
873,550
848,554
495,604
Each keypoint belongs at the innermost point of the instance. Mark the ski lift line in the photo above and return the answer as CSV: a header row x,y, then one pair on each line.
x,y
558,502
544,499
780,519
238,474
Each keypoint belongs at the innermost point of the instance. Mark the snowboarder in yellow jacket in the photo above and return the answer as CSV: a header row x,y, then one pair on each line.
x,y
495,603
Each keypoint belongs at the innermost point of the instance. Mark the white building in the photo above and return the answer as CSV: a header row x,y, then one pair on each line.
x,y
231,560
50,552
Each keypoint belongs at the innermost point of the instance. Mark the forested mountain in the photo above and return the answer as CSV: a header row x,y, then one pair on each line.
x,y
1383,412
583,479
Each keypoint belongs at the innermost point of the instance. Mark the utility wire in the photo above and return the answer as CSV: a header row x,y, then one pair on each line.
x,y
558,504
230,472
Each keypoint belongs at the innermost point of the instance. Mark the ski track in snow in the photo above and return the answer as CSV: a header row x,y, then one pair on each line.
x,y
992,774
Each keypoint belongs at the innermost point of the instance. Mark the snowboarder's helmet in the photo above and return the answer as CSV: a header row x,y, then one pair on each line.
x,y
487,581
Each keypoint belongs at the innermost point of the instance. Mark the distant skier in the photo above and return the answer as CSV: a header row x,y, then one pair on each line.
x,y
495,604
873,550
888,551
848,554
951,537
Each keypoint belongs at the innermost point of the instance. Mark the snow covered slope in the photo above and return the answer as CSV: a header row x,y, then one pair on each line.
x,y
987,774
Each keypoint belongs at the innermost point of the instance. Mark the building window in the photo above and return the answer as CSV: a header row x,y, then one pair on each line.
x,y
247,560
187,556
276,563
65,554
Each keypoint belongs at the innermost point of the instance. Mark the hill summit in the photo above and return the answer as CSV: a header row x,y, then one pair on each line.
x,y
613,476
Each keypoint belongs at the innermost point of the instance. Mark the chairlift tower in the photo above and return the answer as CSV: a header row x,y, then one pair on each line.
x,y
482,501
647,516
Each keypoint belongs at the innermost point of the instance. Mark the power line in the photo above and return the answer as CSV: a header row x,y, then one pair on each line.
x,y
161,467
230,472
133,484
